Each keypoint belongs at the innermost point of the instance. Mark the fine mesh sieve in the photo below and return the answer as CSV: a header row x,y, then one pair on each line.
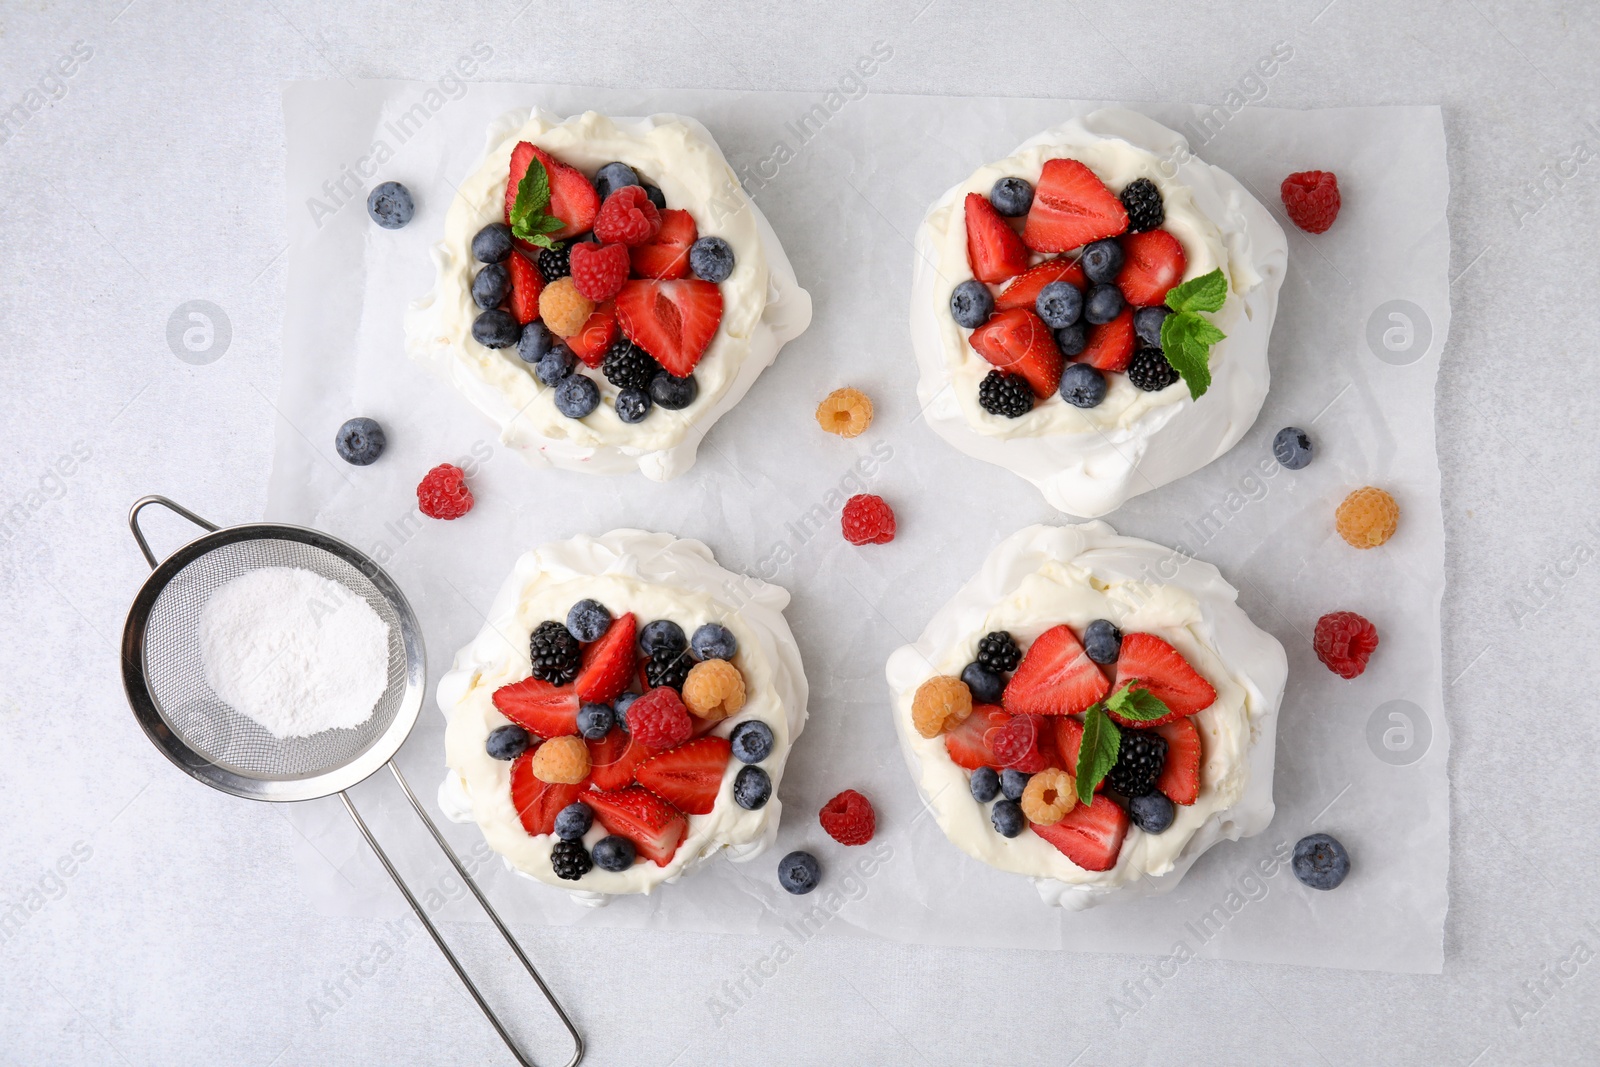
x,y
164,677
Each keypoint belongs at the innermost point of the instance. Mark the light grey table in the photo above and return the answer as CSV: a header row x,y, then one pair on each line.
x,y
163,923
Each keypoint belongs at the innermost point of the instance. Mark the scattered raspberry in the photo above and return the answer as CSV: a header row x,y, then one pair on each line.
x,y
659,720
1048,797
627,217
714,689
561,761
849,818
867,520
1367,517
846,412
1344,642
563,308
598,271
1012,742
940,702
1311,197
443,492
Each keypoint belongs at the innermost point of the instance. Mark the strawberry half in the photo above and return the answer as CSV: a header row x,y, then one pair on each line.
x,y
1111,344
994,251
536,705
608,663
967,742
526,285
1018,342
537,802
1069,740
673,321
689,776
1090,835
1180,775
595,338
1071,207
1055,677
1160,668
1152,263
1023,292
614,758
655,827
666,255
572,199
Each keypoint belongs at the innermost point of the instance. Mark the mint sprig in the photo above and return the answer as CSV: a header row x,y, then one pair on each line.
x,y
530,220
1102,740
1186,338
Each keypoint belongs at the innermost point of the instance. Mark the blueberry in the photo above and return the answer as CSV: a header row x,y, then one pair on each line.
x,y
390,205
1147,324
752,741
711,259
1013,782
588,620
1102,260
1320,861
673,393
535,342
496,329
1151,813
1103,304
492,243
985,684
1011,197
360,441
971,304
595,721
799,872
1102,641
1072,339
985,785
491,287
633,404
556,364
1059,304
577,395
655,196
1292,447
620,710
613,176
752,788
574,820
613,853
662,634
507,742
1006,817
712,640
1082,386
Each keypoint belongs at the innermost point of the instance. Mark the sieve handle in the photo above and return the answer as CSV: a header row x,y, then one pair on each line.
x,y
172,506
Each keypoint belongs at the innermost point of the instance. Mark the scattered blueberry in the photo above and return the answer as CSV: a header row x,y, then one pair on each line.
x,y
633,404
1073,339
985,785
595,721
536,340
491,287
655,195
1006,816
1292,447
1082,386
577,395
752,788
662,634
971,304
1151,813
799,872
1103,304
711,259
986,685
574,820
1102,260
1059,304
496,329
613,176
712,640
1011,197
556,364
1147,324
360,441
492,243
1320,861
751,741
507,742
1013,782
620,710
390,205
1102,641
673,393
613,853
588,620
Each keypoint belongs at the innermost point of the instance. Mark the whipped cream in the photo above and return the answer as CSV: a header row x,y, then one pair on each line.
x,y
763,305
1043,576
1088,461
655,576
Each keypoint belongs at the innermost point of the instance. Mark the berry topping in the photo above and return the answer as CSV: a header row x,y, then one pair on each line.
x,y
1142,201
554,360
657,197
673,393
1150,371
595,338
1101,261
939,704
994,251
971,303
598,271
507,742
607,664
1014,740
1158,667
554,652
555,262
867,520
654,826
1048,796
572,199
711,259
1011,197
713,690
1147,324
1007,819
1367,517
543,709
360,441
390,205
1082,385
1071,207
1055,677
986,686
627,217
1013,783
1344,641
613,853
1018,342
613,176
490,286
527,285
1140,758
799,873
689,776
673,321
496,329
1320,861
752,788
614,758
1073,339
443,492
574,820
1311,198
1292,448
589,620
752,741
1180,775
627,366
1155,264
846,412
985,784
1089,835
561,761
848,818
570,860
998,651
576,396
1152,812
563,308
1059,304
966,740
662,634
712,640
1103,303
659,720
492,243
667,254
1102,641
538,803
667,668
595,721
1024,290
1007,395
1069,739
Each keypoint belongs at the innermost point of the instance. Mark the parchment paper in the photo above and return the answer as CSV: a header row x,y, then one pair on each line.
x,y
844,179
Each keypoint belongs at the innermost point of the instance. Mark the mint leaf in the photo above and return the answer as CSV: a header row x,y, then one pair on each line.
x,y
1205,293
1097,751
1186,341
1137,704
529,220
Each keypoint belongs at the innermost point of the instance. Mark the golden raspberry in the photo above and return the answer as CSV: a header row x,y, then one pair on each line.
x,y
941,702
846,412
714,689
562,761
1049,796
563,308
1367,517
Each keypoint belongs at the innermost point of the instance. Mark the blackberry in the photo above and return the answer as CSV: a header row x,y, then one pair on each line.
x,y
1139,761
628,366
555,653
555,262
571,860
998,652
1150,370
1005,394
1143,201
667,666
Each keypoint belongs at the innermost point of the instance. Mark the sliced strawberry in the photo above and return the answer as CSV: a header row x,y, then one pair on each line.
x,y
1160,668
1055,677
608,663
1069,739
1024,290
1180,775
667,254
655,827
689,776
547,710
967,742
1018,342
596,336
614,758
526,285
572,199
1071,207
994,251
673,321
1152,263
537,802
521,156
1111,344
1090,835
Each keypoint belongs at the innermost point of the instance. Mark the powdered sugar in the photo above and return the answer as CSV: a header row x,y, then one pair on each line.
x,y
294,651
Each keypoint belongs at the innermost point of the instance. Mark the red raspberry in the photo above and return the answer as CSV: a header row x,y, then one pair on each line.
x,y
659,720
443,492
849,818
1344,641
1012,742
1311,197
867,520
627,217
598,271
